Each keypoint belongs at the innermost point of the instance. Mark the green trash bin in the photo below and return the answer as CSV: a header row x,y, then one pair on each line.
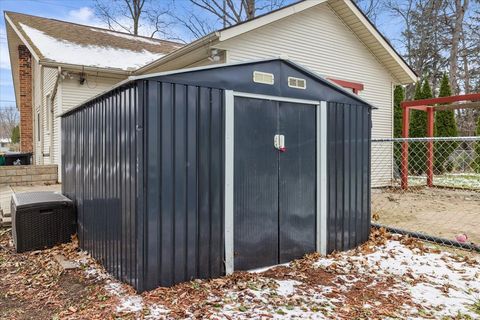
x,y
2,159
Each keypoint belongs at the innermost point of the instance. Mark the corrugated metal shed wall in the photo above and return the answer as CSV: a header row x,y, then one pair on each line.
x,y
348,161
101,166
184,133
150,206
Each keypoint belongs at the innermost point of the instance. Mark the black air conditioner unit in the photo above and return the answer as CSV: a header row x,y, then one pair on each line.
x,y
41,220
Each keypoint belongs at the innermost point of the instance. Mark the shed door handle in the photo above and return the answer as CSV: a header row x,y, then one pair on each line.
x,y
279,142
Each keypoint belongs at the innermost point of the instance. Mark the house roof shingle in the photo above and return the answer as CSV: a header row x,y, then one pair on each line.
x,y
77,42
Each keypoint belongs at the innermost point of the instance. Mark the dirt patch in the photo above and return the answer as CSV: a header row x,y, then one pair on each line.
x,y
34,286
438,212
15,308
369,293
73,288
303,272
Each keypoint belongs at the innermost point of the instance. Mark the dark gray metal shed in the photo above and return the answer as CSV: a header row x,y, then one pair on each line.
x,y
199,172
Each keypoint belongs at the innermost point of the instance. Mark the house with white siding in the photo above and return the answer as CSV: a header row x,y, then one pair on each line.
x,y
332,38
57,64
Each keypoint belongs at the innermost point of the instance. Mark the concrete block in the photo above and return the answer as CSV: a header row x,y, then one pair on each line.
x,y
21,172
44,177
6,222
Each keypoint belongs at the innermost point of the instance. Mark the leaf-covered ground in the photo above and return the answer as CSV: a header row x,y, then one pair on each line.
x,y
389,277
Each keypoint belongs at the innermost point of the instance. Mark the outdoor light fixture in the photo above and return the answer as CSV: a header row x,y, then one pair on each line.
x,y
82,78
214,55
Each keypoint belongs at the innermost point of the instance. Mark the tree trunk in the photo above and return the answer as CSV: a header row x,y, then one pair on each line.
x,y
250,9
466,71
457,31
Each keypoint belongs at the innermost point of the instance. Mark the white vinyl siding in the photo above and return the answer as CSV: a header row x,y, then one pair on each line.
x,y
71,93
75,93
318,39
49,78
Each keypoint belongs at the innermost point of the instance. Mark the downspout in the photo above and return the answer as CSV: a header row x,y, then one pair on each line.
x,y
52,111
42,132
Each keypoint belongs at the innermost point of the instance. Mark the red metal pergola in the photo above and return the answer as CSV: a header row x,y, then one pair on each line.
x,y
430,106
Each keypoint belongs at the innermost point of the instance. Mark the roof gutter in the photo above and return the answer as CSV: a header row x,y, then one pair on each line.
x,y
50,63
214,36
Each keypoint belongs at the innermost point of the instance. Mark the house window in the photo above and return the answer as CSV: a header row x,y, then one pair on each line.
x,y
355,87
38,126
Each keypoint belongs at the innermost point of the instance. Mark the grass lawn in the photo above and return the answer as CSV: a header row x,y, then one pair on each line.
x,y
454,180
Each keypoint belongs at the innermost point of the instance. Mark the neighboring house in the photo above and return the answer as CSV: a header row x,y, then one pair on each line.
x,y
57,64
5,145
330,37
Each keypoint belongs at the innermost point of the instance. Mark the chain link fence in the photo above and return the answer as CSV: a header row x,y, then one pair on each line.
x,y
428,188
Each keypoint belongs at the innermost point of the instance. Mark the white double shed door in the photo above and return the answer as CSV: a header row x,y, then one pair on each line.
x,y
275,179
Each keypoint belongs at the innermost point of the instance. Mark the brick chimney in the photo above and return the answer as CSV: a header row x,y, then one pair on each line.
x,y
26,122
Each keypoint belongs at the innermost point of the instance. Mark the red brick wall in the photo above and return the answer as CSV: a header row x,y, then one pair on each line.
x,y
26,121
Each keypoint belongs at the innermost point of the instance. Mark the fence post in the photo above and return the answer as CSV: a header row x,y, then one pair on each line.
x,y
405,128
430,117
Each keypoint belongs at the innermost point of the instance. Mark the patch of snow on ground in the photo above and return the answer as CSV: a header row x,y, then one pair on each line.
x,y
114,288
92,55
286,287
130,304
93,272
427,275
451,303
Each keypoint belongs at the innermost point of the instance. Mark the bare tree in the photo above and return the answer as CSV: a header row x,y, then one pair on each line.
x,y
214,14
131,15
231,12
371,8
9,118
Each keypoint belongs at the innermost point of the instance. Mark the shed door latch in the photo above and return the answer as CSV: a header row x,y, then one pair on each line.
x,y
279,142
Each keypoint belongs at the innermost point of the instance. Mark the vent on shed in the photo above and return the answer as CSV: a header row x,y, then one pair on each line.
x,y
263,77
297,83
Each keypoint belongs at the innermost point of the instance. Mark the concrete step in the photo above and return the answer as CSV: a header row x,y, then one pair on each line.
x,y
6,222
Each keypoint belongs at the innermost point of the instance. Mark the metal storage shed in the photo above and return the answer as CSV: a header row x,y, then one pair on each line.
x,y
199,172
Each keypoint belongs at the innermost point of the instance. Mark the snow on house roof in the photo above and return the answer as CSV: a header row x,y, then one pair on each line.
x,y
69,43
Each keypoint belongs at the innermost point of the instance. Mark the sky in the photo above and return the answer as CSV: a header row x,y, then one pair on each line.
x,y
82,11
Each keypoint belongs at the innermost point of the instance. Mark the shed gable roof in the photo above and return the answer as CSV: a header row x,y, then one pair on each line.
x,y
169,76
